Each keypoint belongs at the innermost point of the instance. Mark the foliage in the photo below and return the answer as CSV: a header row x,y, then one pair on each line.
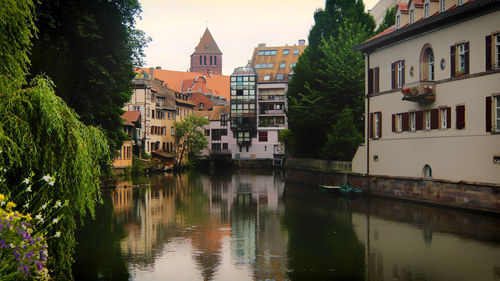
x,y
343,139
326,83
190,138
285,137
40,135
17,27
389,20
89,49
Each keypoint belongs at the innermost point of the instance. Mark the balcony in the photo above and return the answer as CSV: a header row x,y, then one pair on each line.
x,y
220,152
422,92
272,112
271,98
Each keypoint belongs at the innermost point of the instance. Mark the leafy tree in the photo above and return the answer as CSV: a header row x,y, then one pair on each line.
x,y
89,49
343,139
189,137
324,85
389,20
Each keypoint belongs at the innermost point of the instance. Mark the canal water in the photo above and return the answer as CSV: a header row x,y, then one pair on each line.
x,y
250,225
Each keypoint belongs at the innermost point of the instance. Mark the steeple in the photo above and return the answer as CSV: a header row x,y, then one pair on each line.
x,y
207,57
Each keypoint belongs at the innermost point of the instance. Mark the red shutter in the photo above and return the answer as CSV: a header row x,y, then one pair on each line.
x,y
448,117
370,81
393,75
467,58
403,71
452,61
460,110
394,122
419,120
488,53
488,114
434,118
379,124
377,80
406,125
370,127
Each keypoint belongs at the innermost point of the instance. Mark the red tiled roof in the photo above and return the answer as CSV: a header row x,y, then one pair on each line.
x,y
218,84
387,31
418,3
218,110
130,117
207,45
403,7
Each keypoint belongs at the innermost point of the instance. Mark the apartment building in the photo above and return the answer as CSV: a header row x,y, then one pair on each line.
x,y
433,93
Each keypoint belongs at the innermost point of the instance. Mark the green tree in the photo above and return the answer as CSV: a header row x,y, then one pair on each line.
x,y
343,138
190,138
89,49
336,81
389,20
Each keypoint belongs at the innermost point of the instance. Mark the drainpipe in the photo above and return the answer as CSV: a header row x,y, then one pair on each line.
x,y
367,119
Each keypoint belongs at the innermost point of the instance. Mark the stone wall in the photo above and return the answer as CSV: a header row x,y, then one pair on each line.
x,y
468,195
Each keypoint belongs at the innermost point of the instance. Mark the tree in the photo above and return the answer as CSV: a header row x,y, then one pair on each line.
x,y
190,137
324,85
389,20
343,138
89,49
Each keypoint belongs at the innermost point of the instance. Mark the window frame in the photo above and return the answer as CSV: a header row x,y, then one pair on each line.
x,y
427,9
496,50
496,112
442,6
413,121
296,51
400,74
428,120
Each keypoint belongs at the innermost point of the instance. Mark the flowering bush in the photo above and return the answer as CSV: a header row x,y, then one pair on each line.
x,y
428,89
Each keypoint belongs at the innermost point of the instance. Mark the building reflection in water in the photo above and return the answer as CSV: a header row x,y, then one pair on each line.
x,y
245,226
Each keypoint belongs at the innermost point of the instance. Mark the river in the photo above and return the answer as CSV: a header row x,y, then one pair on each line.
x,y
250,225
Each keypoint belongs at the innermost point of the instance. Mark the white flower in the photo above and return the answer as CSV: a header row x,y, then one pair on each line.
x,y
12,245
39,217
2,203
51,183
28,188
55,220
58,233
44,206
26,206
58,204
47,178
26,181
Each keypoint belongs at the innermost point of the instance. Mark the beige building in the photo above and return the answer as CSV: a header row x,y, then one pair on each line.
x,y
433,93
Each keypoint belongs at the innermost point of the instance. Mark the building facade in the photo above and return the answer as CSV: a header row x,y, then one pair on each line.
x,y
207,57
433,93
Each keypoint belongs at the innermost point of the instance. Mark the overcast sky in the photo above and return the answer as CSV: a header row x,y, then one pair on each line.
x,y
236,25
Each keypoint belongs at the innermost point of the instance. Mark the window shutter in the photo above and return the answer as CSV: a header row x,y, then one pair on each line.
x,y
460,110
394,122
488,53
419,120
488,114
434,118
370,127
370,81
377,80
467,58
379,115
452,61
403,78
448,117
393,75
406,126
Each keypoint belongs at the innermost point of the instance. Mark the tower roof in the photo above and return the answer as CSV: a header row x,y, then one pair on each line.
x,y
207,45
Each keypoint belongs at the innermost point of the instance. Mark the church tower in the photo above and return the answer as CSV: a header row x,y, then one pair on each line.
x,y
207,58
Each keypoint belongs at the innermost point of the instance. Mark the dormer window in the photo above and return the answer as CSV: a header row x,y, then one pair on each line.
x,y
412,16
443,6
460,2
426,10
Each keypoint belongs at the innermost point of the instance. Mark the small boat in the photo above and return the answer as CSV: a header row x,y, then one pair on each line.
x,y
346,190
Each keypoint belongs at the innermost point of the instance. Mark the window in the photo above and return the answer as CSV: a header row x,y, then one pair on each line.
x,y
211,60
412,16
267,77
286,51
445,117
215,60
460,2
215,146
280,76
431,66
426,10
460,112
267,52
442,6
493,114
493,52
200,61
296,51
459,57
207,132
204,60
413,121
282,65
172,130
201,105
376,125
400,122
262,136
398,74
497,114
373,80
428,120
225,146
292,65
398,21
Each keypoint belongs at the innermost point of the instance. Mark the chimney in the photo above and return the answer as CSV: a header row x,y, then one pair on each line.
x,y
152,72
302,42
158,67
261,45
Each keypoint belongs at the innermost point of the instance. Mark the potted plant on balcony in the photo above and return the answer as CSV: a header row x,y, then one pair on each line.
x,y
428,89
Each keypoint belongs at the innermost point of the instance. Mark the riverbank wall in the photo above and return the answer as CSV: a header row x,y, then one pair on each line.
x,y
458,194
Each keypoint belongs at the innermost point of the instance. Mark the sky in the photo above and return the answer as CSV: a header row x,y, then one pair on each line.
x,y
237,26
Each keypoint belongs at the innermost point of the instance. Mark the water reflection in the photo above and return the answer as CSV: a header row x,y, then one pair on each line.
x,y
248,226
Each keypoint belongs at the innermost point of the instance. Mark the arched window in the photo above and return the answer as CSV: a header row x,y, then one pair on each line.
x,y
427,171
427,69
